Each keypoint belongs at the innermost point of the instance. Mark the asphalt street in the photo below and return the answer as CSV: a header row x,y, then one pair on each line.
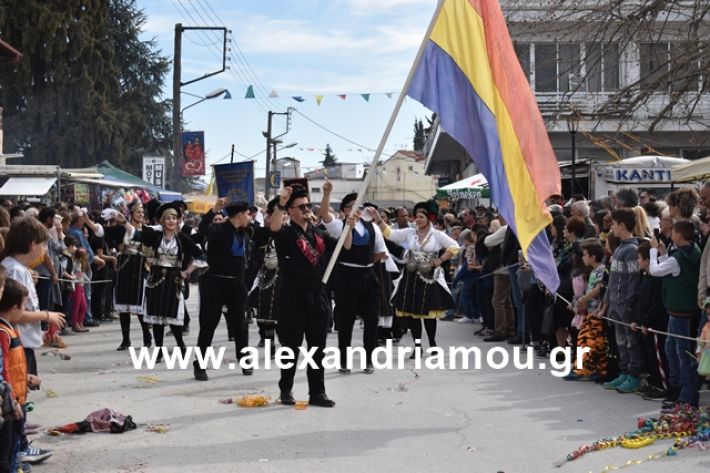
x,y
393,420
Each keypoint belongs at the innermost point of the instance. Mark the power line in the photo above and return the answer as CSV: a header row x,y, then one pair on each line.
x,y
332,132
215,50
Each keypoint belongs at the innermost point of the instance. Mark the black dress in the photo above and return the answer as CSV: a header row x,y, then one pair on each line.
x,y
164,301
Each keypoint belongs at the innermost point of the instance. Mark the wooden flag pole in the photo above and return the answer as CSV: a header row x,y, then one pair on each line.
x,y
378,153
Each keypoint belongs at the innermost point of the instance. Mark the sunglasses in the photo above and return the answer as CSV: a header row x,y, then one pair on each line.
x,y
302,207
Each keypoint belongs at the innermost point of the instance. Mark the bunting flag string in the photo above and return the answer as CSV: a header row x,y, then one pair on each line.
x,y
250,94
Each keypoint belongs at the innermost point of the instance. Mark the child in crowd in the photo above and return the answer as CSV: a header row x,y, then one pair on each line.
x,y
591,332
80,263
468,273
650,313
14,371
680,273
26,241
621,296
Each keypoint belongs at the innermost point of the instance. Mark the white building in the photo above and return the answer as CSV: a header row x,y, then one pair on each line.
x,y
346,178
401,180
573,70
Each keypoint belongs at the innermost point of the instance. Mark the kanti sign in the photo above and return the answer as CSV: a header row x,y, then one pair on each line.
x,y
637,175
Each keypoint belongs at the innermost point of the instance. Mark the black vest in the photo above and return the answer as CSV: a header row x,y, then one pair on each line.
x,y
360,254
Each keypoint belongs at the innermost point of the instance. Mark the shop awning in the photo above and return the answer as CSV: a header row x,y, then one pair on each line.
x,y
200,204
697,170
167,196
101,182
469,188
35,186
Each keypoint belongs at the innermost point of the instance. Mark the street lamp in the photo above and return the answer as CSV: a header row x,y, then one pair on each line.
x,y
573,120
212,95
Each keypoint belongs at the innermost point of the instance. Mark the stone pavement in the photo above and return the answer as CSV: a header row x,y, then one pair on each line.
x,y
396,421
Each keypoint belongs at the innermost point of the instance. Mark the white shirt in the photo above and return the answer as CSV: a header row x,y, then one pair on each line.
x,y
496,238
660,266
335,228
30,334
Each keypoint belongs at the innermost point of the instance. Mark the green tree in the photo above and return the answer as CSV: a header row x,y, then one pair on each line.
x,y
329,158
419,137
86,88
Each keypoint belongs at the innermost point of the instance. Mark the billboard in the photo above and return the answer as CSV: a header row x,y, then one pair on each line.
x,y
154,170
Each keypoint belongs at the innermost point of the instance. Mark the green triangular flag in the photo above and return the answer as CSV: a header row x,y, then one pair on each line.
x,y
366,97
250,92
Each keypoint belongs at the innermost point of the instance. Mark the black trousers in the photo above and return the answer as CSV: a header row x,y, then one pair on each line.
x,y
356,291
216,292
302,312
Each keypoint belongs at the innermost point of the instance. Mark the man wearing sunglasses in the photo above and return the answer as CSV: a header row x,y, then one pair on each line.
x,y
302,307
355,280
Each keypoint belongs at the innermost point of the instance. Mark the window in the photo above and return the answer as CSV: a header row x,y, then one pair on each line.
x,y
558,66
315,190
546,67
523,52
568,62
654,65
602,63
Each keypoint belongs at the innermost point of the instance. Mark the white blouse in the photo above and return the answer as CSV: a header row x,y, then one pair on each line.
x,y
434,242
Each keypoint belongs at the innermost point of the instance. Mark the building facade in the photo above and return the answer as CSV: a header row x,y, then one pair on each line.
x,y
602,86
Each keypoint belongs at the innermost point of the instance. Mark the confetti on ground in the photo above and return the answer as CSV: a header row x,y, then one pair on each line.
x,y
158,428
254,400
51,393
148,379
62,356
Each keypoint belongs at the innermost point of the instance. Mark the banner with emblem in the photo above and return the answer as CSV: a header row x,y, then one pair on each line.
x,y
235,181
193,153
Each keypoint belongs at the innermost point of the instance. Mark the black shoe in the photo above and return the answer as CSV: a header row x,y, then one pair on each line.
x,y
344,371
287,399
93,323
231,339
673,393
414,353
200,374
495,338
261,343
321,400
369,369
123,346
655,393
247,371
516,340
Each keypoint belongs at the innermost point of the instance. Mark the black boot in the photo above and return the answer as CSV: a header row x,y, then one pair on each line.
x,y
200,374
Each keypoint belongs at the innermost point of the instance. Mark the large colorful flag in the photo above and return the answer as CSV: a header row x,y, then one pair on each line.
x,y
470,76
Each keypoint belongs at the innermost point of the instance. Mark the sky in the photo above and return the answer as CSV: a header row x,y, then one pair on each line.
x,y
302,48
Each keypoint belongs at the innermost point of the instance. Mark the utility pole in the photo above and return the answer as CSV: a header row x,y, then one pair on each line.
x,y
177,85
267,183
177,122
231,159
272,141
